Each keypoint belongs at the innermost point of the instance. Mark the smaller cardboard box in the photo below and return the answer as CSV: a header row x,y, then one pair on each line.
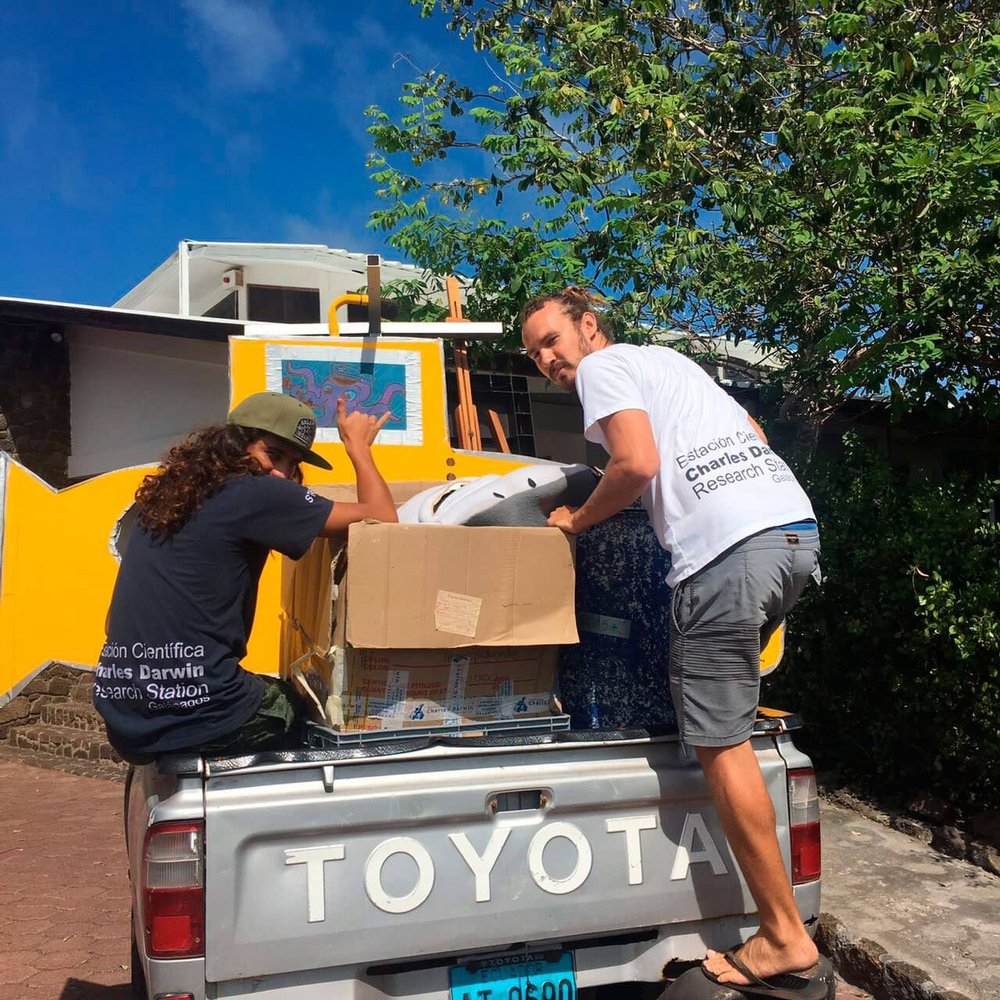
x,y
414,688
469,621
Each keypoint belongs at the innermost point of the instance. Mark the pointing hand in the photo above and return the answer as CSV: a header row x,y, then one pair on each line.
x,y
357,429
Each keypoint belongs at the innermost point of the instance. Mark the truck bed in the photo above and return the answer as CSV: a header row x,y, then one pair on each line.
x,y
390,865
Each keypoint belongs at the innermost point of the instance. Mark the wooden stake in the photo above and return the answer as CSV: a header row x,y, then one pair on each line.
x,y
467,419
498,434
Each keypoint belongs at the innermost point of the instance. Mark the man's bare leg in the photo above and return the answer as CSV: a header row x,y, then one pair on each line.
x,y
782,944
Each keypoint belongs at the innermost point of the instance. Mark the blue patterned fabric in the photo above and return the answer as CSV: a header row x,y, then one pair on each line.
x,y
617,676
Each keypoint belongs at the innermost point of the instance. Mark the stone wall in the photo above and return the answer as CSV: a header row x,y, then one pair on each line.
x,y
58,682
34,398
6,438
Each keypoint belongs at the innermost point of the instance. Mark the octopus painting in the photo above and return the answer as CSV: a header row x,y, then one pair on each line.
x,y
320,384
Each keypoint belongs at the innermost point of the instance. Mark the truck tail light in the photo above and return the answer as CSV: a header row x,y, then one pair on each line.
x,y
174,890
803,807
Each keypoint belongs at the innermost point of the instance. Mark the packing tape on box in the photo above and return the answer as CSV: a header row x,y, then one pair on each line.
x,y
458,676
396,683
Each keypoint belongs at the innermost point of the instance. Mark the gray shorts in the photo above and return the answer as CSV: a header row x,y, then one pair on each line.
x,y
721,618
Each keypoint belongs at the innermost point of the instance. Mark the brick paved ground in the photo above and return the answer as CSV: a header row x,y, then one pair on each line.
x,y
64,895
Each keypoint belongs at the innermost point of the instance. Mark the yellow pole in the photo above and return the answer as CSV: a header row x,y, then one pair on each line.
x,y
353,298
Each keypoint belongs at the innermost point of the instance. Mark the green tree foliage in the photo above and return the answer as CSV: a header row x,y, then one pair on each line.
x,y
823,178
895,660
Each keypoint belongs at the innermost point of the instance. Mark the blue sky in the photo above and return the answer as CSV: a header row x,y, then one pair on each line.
x,y
127,126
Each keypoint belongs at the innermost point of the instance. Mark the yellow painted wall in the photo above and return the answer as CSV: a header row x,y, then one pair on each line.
x,y
56,569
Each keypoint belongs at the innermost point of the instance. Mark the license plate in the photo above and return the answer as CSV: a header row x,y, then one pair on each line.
x,y
515,977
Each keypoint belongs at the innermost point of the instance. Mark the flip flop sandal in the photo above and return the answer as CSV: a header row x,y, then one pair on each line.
x,y
808,985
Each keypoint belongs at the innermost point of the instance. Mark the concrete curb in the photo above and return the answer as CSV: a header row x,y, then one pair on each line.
x,y
902,920
867,965
941,836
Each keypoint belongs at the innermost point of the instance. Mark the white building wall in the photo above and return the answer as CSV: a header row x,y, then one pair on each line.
x,y
333,272
133,394
207,288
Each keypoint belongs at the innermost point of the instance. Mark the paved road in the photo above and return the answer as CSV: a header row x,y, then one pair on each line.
x,y
64,895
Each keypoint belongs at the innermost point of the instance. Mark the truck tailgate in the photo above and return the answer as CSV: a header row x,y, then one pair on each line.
x,y
454,851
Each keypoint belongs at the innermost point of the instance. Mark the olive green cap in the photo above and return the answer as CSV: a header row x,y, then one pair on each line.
x,y
283,416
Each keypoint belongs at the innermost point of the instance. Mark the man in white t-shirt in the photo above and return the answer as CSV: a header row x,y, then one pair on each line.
x,y
743,543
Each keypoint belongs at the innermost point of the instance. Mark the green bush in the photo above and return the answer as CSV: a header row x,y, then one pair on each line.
x,y
894,660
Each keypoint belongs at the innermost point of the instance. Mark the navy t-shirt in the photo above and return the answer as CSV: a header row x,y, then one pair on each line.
x,y
169,676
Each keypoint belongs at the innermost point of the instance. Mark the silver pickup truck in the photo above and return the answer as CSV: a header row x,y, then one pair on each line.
x,y
502,867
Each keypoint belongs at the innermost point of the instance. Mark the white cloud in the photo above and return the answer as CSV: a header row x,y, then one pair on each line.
x,y
333,227
243,44
327,232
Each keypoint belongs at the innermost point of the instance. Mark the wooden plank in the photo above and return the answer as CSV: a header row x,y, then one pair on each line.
x,y
498,435
467,419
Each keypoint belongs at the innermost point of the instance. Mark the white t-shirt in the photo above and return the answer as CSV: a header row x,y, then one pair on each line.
x,y
718,482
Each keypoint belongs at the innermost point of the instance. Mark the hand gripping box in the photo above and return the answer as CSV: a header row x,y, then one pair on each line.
x,y
415,625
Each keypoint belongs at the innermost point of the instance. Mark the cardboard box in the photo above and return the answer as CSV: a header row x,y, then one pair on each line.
x,y
448,604
434,586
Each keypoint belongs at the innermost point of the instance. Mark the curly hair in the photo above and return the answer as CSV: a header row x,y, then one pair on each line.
x,y
574,301
191,472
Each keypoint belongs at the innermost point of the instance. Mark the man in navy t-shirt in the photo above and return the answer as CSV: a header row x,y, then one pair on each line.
x,y
169,676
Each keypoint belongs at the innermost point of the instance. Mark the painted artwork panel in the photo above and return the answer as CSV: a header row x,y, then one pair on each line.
x,y
367,380
371,388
